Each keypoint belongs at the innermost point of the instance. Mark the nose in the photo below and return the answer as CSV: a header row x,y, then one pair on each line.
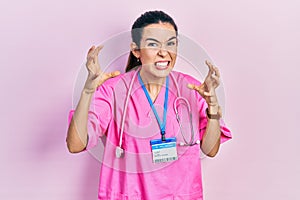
x,y
162,52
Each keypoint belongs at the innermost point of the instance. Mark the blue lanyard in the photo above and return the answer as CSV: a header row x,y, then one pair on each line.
x,y
162,125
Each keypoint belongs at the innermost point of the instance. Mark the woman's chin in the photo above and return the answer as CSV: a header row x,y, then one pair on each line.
x,y
161,68
162,73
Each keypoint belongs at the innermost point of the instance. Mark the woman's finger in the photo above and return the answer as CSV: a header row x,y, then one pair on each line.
x,y
208,94
217,72
91,49
103,77
192,86
210,67
116,73
215,77
90,52
200,88
89,63
97,50
113,74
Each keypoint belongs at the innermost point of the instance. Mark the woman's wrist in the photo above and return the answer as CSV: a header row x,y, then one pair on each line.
x,y
87,91
213,109
214,112
88,87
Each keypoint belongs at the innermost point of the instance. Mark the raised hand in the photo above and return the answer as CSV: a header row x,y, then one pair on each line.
x,y
207,88
95,75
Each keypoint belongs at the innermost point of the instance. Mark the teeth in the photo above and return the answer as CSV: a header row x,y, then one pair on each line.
x,y
162,64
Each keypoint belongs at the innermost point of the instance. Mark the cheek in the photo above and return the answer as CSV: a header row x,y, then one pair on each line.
x,y
173,56
147,56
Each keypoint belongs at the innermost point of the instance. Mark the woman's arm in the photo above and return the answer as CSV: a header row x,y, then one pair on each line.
x,y
211,139
77,137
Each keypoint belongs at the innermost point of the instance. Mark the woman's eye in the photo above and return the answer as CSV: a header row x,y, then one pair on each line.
x,y
171,43
152,44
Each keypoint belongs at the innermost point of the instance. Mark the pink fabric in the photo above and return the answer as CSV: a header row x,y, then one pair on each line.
x,y
135,176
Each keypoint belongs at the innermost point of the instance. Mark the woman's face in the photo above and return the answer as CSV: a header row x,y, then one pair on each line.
x,y
158,50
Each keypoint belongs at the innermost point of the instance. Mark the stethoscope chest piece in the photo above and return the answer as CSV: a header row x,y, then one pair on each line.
x,y
119,152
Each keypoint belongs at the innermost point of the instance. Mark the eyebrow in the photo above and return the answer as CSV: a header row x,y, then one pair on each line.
x,y
152,39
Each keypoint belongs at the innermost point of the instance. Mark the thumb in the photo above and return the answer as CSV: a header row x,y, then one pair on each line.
x,y
114,74
192,86
200,88
103,77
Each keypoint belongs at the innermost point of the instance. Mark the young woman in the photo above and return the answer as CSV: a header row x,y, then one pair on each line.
x,y
150,151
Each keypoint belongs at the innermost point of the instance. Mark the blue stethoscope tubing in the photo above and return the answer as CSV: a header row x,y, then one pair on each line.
x,y
120,151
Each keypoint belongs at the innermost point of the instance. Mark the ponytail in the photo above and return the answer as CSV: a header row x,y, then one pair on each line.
x,y
132,62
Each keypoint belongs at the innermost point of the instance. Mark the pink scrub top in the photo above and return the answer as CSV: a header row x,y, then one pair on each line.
x,y
135,176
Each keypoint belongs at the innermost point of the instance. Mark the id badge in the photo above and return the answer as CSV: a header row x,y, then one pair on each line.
x,y
164,151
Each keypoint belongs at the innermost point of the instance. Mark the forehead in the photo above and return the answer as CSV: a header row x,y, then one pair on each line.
x,y
161,31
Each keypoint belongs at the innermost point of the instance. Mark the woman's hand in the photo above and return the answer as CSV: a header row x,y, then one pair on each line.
x,y
95,75
211,139
207,88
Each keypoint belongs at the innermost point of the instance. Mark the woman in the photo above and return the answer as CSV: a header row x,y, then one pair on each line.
x,y
148,154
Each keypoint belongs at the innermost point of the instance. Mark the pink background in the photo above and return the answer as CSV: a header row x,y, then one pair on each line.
x,y
255,43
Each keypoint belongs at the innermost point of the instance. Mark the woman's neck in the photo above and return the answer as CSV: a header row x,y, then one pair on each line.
x,y
153,85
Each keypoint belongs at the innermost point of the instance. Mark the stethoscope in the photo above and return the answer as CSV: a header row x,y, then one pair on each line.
x,y
179,100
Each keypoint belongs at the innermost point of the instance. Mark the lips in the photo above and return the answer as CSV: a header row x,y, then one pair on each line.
x,y
162,64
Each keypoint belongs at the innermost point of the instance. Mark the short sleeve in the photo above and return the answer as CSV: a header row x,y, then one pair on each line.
x,y
99,115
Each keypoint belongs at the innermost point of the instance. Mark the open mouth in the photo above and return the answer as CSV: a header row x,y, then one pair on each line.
x,y
161,65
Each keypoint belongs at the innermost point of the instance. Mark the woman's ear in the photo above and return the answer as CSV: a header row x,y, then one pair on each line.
x,y
135,50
